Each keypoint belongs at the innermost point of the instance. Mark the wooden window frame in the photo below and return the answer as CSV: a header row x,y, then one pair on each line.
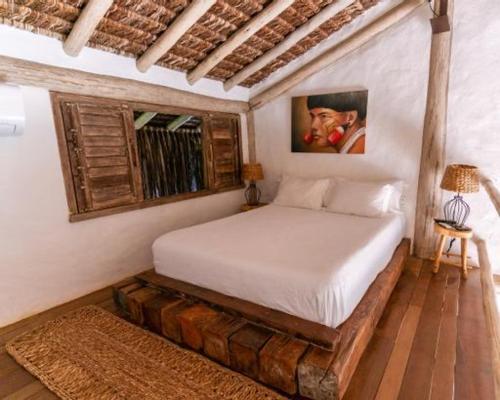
x,y
57,98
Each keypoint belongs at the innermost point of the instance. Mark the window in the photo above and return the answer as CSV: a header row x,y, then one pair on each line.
x,y
118,156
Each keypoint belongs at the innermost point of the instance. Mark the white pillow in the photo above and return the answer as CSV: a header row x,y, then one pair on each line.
x,y
365,199
301,192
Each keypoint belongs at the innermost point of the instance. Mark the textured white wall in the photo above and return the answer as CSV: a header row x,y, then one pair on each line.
x,y
394,69
45,260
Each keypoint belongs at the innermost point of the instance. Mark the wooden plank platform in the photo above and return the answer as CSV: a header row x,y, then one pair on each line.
x,y
392,338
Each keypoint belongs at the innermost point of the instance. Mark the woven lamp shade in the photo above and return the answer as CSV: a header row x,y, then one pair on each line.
x,y
460,178
253,172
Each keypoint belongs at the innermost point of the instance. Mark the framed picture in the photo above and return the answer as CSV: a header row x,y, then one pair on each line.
x,y
330,123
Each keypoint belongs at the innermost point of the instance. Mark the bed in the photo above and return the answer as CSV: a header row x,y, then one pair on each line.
x,y
314,265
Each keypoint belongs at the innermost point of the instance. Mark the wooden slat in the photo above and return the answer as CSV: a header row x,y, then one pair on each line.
x,y
443,379
394,370
104,130
417,380
317,333
370,371
94,162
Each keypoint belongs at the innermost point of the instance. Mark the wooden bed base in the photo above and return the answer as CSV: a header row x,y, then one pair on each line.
x,y
288,353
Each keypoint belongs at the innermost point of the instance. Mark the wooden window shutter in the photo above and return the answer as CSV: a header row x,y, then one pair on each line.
x,y
225,151
102,154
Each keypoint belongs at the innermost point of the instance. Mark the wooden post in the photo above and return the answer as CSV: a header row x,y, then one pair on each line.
x,y
252,151
85,26
432,159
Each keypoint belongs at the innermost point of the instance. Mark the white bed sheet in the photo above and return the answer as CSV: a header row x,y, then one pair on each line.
x,y
316,265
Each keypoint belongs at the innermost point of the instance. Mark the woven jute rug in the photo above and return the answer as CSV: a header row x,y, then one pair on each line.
x,y
92,354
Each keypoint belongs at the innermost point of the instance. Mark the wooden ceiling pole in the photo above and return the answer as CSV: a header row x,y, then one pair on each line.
x,y
238,38
173,33
330,56
429,194
291,40
85,26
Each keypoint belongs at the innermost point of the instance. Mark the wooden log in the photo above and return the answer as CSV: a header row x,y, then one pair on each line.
x,y
170,324
189,16
332,55
316,333
120,295
193,321
315,378
136,300
286,44
278,362
252,148
85,26
238,38
216,337
28,73
154,309
244,348
429,193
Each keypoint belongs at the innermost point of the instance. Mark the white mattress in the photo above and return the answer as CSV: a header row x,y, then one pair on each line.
x,y
313,264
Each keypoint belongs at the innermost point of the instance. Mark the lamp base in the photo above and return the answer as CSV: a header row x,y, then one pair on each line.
x,y
456,211
252,194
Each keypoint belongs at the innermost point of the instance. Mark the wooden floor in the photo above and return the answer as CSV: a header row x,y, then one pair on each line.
x,y
431,342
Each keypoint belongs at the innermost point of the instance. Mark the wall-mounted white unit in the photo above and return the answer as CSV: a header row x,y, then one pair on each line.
x,y
12,116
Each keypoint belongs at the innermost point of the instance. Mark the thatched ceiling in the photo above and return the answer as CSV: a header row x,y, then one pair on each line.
x,y
131,26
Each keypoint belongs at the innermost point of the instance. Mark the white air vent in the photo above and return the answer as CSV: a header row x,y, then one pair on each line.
x,y
12,117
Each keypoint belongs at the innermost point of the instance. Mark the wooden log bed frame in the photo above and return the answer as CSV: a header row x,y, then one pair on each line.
x,y
293,355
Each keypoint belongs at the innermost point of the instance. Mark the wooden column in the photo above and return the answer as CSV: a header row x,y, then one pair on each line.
x,y
432,159
252,151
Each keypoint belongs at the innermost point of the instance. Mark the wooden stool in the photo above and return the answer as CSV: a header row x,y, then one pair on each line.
x,y
450,232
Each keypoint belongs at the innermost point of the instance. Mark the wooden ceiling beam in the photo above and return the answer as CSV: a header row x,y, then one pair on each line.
x,y
338,51
291,40
85,26
238,38
173,33
29,73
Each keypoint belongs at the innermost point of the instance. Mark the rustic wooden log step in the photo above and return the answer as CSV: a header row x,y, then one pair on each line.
x,y
278,362
244,348
313,332
316,379
155,309
136,299
121,292
193,321
216,337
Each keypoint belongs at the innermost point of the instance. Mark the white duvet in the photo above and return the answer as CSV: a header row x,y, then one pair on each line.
x,y
316,265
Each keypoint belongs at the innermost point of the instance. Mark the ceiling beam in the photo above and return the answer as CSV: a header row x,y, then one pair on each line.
x,y
85,26
173,33
291,40
29,73
238,38
338,51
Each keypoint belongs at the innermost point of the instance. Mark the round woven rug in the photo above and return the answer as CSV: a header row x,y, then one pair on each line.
x,y
92,354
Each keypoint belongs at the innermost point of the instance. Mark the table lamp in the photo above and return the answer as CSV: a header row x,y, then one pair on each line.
x,y
459,178
252,173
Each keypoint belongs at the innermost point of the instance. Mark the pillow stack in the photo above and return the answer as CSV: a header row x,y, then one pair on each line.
x,y
339,195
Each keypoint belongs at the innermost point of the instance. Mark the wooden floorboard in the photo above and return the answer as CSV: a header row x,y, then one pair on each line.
x,y
421,348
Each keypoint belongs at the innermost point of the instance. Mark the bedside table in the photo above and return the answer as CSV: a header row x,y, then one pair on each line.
x,y
246,207
445,232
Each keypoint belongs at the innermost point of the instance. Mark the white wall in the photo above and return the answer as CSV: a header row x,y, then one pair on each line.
x,y
394,69
44,259
395,78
